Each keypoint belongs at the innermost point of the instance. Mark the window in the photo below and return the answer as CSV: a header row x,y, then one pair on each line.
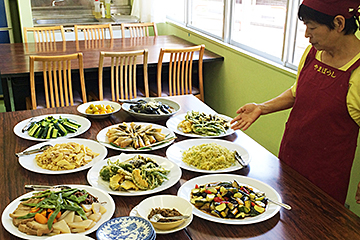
x,y
176,10
259,26
207,15
269,28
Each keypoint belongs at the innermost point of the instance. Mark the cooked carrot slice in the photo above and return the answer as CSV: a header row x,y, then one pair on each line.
x,y
40,218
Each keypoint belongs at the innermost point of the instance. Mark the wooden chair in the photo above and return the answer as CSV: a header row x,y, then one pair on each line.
x,y
58,87
180,80
93,32
138,29
123,74
44,34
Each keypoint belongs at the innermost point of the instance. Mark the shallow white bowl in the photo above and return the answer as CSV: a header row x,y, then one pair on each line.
x,y
165,201
69,236
82,108
152,117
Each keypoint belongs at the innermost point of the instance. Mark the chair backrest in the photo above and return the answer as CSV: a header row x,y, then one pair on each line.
x,y
123,74
57,79
93,32
181,70
44,34
138,29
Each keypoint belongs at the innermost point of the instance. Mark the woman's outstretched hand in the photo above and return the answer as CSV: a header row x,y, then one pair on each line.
x,y
247,115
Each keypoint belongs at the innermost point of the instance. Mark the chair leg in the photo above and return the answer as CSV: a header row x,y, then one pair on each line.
x,y
28,103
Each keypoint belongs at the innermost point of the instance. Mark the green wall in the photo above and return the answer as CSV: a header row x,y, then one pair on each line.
x,y
241,79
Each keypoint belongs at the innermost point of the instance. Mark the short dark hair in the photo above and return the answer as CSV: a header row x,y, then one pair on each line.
x,y
307,13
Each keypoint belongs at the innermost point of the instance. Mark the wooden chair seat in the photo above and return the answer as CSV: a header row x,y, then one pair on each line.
x,y
57,90
181,72
122,76
138,29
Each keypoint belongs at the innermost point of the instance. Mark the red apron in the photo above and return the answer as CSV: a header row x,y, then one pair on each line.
x,y
320,137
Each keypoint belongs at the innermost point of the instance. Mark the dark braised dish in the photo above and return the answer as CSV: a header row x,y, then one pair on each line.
x,y
151,107
165,212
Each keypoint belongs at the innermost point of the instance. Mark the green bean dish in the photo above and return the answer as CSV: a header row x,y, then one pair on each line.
x,y
204,124
137,173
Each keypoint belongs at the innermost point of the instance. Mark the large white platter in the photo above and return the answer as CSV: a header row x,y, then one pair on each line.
x,y
28,161
103,139
95,180
174,121
84,122
101,195
174,153
272,209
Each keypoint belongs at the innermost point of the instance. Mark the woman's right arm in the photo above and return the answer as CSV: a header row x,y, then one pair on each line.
x,y
250,112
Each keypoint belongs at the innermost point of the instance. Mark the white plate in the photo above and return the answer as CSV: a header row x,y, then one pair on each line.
x,y
28,161
69,236
103,139
85,125
186,223
82,108
152,117
101,195
271,209
95,180
174,121
174,153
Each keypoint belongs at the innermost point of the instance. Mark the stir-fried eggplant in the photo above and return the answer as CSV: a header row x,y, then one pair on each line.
x,y
151,107
228,200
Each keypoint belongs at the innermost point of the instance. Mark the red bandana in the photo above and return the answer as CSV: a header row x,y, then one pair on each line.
x,y
346,8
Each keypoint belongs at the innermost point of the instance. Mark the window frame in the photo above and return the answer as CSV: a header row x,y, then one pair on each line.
x,y
289,39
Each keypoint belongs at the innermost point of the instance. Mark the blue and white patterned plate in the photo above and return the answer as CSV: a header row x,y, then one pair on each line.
x,y
129,227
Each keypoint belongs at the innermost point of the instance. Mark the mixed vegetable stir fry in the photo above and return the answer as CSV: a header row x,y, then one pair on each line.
x,y
203,124
228,200
137,173
60,209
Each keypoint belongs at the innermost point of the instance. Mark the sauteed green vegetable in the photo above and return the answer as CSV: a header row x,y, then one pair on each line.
x,y
204,124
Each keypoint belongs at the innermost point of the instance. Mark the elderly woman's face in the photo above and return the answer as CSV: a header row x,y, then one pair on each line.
x,y
320,36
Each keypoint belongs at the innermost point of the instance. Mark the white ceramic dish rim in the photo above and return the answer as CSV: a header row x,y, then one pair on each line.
x,y
102,196
95,180
174,153
28,161
126,108
82,108
174,121
101,137
186,223
271,210
85,125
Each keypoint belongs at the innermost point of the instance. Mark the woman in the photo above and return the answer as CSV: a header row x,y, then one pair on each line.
x,y
321,133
